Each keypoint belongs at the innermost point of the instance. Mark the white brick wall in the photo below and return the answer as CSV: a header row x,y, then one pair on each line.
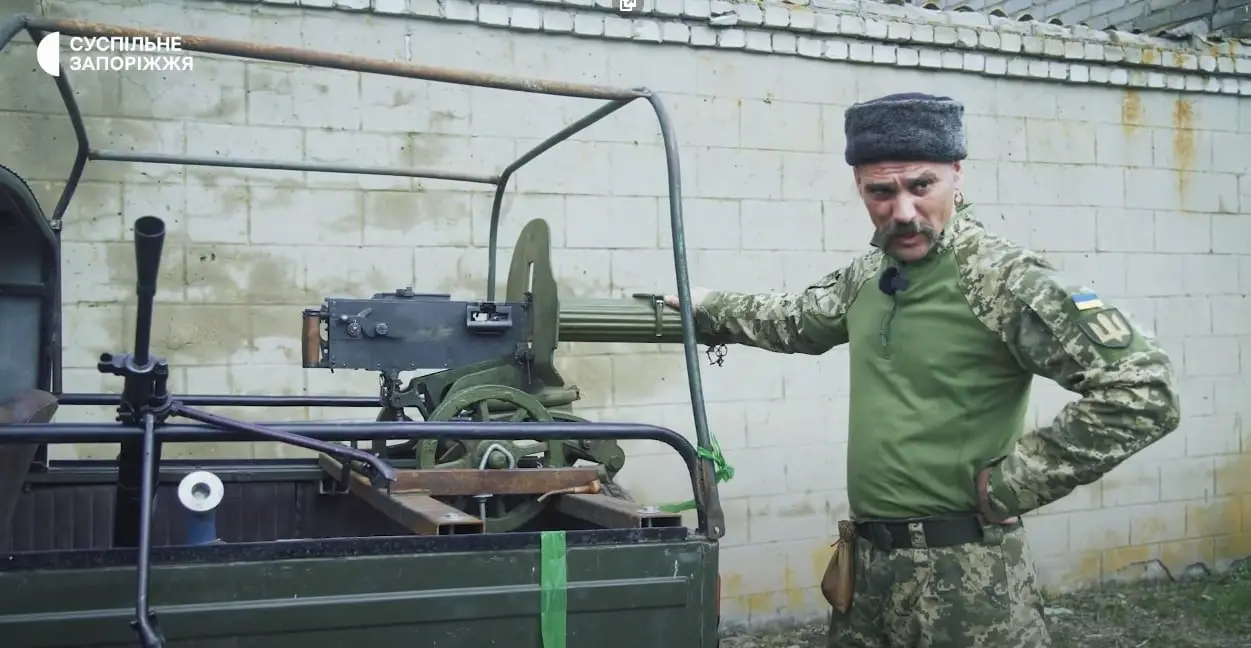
x,y
1123,159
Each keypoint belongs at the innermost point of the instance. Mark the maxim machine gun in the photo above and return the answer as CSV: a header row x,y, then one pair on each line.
x,y
483,512
496,363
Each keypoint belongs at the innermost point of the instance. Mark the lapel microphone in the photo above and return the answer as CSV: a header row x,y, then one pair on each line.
x,y
892,281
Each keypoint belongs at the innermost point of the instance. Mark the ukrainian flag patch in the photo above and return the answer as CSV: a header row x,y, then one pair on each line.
x,y
1086,300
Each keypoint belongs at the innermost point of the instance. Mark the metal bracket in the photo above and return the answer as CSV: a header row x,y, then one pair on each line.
x,y
488,317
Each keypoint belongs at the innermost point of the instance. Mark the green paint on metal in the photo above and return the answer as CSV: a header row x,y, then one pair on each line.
x,y
465,598
722,471
553,578
642,319
482,402
531,280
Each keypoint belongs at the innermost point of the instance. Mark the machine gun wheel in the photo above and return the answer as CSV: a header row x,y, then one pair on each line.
x,y
486,403
490,403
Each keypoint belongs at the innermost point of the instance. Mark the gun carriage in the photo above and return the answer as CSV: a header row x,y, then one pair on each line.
x,y
476,476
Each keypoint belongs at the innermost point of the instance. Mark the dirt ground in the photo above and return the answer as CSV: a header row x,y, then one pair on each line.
x,y
1197,612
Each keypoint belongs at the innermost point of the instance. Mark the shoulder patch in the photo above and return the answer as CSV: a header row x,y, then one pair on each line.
x,y
1086,300
1107,328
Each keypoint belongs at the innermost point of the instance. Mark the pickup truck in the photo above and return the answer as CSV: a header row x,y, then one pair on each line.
x,y
495,519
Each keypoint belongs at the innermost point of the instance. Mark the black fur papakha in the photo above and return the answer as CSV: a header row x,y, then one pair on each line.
x,y
907,127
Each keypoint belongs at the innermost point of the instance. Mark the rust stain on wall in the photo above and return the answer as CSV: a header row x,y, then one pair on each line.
x,y
1179,555
796,599
1089,569
1218,531
1183,143
760,605
788,579
1228,48
1233,477
820,558
1153,527
1232,547
1131,111
782,603
1127,561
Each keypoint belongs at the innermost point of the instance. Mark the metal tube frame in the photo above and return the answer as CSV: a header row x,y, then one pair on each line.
x,y
710,516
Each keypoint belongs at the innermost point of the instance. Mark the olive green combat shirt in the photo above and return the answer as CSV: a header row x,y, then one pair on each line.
x,y
941,373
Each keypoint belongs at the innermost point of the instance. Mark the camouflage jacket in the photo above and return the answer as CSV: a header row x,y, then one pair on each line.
x,y
940,373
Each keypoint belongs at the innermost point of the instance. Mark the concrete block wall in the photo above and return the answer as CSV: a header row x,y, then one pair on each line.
x,y
1124,159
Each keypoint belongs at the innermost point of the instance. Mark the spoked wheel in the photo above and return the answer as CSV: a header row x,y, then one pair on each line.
x,y
493,403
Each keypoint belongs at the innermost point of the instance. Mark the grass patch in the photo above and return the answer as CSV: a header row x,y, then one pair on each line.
x,y
1203,612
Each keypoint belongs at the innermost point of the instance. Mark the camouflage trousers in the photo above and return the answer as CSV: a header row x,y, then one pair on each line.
x,y
979,594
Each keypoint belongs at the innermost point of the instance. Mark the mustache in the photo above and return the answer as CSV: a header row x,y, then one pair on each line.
x,y
896,229
907,229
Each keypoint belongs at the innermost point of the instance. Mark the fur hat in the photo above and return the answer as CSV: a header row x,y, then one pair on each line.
x,y
908,127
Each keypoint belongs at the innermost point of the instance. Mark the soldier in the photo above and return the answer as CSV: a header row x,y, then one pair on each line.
x,y
947,324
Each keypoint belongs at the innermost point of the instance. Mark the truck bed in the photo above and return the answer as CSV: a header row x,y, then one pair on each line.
x,y
282,577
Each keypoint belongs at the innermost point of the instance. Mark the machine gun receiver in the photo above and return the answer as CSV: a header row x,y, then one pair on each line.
x,y
407,331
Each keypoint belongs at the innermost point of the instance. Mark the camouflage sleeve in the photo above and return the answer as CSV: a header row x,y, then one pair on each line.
x,y
1126,382
811,322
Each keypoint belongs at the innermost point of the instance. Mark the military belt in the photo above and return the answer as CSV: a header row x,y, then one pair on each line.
x,y
929,533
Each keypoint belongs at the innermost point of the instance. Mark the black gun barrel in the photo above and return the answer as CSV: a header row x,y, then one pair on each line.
x,y
149,239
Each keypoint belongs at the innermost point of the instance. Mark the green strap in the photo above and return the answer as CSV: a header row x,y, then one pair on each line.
x,y
553,578
722,471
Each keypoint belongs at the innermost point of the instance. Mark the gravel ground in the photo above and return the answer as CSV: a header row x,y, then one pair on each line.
x,y
1195,612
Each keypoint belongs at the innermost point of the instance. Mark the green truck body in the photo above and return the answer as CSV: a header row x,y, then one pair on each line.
x,y
611,588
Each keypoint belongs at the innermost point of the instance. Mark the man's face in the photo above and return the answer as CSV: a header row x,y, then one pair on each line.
x,y
909,203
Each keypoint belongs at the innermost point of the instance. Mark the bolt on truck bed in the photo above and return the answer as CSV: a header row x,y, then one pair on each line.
x,y
496,519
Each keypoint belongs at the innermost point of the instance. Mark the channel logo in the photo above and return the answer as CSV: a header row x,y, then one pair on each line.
x,y
48,54
113,54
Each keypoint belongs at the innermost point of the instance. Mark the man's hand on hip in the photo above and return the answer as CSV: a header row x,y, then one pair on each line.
x,y
983,499
697,297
